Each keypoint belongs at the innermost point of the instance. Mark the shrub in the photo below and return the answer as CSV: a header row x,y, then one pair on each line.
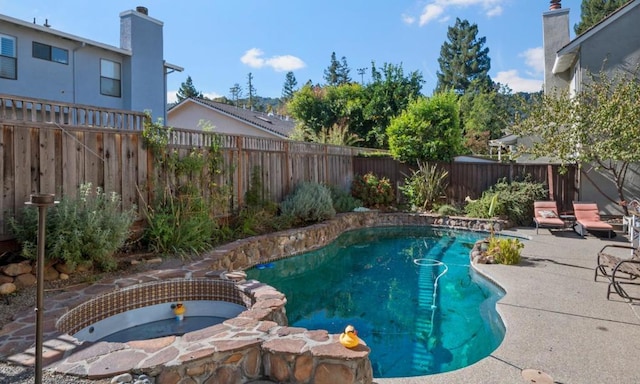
x,y
505,251
374,192
309,203
343,201
514,201
89,229
448,210
425,186
179,223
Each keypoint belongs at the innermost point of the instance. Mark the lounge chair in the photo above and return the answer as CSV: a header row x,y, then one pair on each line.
x,y
608,259
545,214
622,272
588,218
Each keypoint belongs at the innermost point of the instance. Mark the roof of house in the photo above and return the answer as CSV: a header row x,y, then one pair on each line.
x,y
567,54
279,126
81,40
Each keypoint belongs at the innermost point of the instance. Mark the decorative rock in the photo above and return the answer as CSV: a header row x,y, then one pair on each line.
x,y
65,268
63,276
236,276
327,373
5,279
25,280
7,288
16,269
85,267
51,274
156,260
124,378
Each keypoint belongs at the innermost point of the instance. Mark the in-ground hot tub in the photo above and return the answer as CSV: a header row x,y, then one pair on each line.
x,y
145,311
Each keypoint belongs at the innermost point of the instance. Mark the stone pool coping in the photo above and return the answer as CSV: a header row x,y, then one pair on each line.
x,y
64,354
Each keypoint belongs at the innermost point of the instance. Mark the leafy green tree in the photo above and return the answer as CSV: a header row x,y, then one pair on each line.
x,y
486,115
428,130
463,59
320,111
309,108
599,125
388,94
593,11
187,89
365,111
289,87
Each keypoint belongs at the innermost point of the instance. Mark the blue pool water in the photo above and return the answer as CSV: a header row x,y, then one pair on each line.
x,y
383,281
165,327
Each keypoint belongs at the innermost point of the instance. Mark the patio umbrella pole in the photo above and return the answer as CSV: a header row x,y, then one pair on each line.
x,y
42,201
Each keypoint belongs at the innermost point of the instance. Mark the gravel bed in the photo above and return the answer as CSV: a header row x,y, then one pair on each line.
x,y
13,374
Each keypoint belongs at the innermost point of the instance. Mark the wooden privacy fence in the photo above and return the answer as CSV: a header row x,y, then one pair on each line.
x,y
471,179
51,147
41,153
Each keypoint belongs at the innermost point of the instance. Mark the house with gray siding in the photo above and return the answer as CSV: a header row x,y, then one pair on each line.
x,y
611,46
37,61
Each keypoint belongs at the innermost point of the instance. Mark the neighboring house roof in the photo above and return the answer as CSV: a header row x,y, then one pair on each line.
x,y
504,140
472,159
276,125
566,56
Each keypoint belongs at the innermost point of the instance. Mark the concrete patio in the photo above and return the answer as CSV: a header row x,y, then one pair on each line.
x,y
558,320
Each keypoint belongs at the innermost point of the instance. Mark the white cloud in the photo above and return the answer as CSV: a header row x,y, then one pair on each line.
x,y
211,95
436,8
285,63
254,58
516,83
534,58
497,11
430,12
407,19
172,97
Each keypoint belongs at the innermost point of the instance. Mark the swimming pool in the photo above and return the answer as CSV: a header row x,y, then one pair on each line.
x,y
385,282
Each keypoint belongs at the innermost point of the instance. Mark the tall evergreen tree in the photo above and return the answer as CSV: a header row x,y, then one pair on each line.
x,y
187,89
251,90
289,87
337,73
463,59
343,72
593,11
236,93
331,76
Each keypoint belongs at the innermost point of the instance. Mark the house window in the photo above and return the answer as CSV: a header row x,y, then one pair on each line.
x,y
48,52
8,61
109,78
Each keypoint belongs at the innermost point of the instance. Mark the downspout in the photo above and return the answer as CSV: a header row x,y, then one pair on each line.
x,y
73,71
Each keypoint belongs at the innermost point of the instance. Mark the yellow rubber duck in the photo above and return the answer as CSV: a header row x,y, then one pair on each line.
x,y
179,311
349,338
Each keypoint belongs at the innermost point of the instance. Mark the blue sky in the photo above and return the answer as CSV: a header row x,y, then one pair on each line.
x,y
218,43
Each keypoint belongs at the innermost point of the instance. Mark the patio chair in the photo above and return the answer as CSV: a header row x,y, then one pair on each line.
x,y
545,215
588,218
607,262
